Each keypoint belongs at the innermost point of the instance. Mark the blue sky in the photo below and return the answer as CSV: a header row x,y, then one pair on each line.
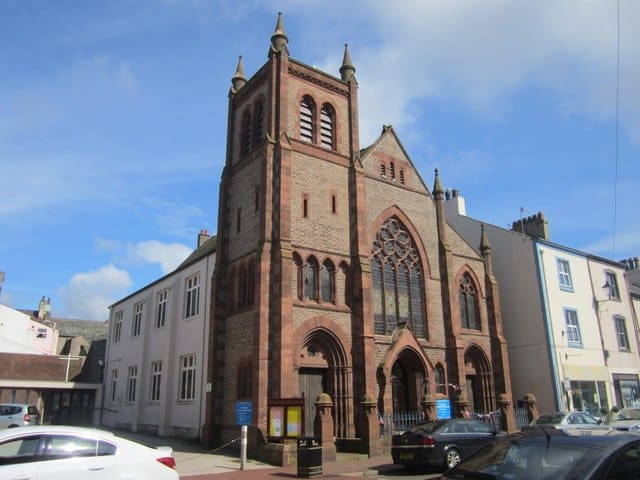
x,y
113,122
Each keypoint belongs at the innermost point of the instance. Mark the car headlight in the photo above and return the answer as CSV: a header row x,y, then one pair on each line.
x,y
635,428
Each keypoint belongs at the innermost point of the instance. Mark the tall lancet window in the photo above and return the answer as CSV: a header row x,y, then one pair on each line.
x,y
398,282
245,133
467,297
258,124
307,111
327,119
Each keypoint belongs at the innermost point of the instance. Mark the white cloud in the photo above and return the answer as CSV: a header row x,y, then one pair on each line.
x,y
168,256
481,52
88,294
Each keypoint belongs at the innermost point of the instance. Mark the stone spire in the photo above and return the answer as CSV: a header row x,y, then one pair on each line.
x,y
238,80
437,186
347,70
485,247
279,38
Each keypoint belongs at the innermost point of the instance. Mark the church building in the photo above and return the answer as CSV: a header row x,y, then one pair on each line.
x,y
336,272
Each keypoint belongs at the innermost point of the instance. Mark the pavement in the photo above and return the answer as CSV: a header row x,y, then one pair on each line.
x,y
194,462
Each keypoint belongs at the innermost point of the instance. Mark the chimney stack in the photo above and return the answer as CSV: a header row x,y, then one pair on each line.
x,y
534,226
203,236
44,308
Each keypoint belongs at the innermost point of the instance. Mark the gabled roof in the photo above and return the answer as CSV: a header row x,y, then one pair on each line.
x,y
204,250
207,248
387,130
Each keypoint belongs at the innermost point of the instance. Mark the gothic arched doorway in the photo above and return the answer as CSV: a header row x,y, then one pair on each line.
x,y
478,381
408,383
323,368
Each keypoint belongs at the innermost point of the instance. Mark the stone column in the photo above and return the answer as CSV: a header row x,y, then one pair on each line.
x,y
462,406
507,419
428,404
531,404
370,427
323,427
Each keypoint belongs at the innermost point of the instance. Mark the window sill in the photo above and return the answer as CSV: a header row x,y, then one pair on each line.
x,y
321,306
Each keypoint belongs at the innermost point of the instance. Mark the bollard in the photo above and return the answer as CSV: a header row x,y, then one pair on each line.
x,y
243,447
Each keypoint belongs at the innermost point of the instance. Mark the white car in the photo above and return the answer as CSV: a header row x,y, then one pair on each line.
x,y
67,453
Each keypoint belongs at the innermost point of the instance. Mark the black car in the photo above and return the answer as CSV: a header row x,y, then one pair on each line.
x,y
442,443
549,453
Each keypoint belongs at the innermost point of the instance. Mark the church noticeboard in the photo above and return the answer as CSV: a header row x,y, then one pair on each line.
x,y
443,408
286,418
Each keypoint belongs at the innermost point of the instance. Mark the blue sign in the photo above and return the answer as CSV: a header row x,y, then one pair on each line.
x,y
443,408
244,412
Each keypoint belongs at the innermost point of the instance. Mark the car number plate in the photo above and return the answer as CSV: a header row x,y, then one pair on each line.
x,y
406,456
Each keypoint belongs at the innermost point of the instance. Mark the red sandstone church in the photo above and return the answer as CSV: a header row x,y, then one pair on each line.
x,y
336,271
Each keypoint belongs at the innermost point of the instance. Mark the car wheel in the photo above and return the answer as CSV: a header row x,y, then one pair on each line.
x,y
452,458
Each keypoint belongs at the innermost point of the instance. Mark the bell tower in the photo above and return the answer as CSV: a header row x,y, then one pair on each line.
x,y
291,241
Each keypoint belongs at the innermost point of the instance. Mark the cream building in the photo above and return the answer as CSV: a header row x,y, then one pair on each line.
x,y
567,316
156,353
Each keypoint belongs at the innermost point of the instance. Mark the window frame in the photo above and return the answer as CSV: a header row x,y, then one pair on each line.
x,y
622,335
114,384
572,330
117,326
192,296
611,281
156,381
132,383
136,323
187,379
161,308
565,280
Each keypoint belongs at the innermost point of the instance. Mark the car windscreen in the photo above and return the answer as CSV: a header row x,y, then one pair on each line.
x,y
549,419
522,459
426,428
629,414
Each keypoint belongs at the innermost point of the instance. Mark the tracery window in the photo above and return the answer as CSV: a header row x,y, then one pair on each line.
x,y
327,120
307,109
467,297
398,282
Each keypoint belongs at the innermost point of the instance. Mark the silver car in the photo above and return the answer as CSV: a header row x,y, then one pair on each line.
x,y
18,415
627,419
569,421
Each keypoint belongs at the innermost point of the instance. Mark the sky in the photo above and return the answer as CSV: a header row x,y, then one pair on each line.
x,y
113,121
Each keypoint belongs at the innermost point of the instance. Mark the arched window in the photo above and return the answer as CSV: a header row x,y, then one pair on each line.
x,y
242,287
398,283
309,274
258,123
439,379
245,379
297,277
251,283
345,284
467,297
327,120
307,112
327,282
245,133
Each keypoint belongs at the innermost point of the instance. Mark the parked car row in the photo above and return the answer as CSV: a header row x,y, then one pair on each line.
x,y
556,445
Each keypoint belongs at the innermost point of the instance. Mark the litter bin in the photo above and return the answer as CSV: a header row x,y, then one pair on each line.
x,y
309,457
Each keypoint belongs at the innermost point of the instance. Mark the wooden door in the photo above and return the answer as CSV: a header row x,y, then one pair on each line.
x,y
312,384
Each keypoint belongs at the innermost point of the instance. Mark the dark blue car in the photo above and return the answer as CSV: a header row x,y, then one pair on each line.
x,y
549,453
442,443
